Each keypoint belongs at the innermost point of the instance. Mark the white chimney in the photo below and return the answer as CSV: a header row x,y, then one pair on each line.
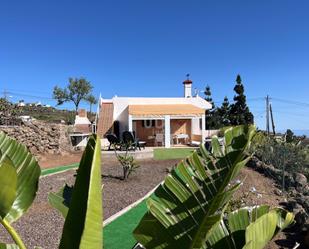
x,y
187,88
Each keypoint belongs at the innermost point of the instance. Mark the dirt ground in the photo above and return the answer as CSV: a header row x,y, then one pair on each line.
x,y
49,161
42,225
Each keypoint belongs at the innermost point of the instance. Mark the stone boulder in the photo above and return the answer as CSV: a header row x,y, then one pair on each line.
x,y
300,180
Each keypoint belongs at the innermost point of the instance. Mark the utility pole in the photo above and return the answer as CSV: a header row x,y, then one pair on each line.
x,y
5,94
267,115
272,119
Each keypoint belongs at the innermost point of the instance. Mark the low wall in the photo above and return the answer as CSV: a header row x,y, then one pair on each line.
x,y
40,137
210,133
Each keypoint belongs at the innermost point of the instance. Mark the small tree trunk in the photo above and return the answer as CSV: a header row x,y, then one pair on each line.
x,y
125,172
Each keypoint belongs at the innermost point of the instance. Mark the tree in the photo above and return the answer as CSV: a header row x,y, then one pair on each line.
x,y
208,97
77,90
223,112
239,112
211,115
91,100
289,136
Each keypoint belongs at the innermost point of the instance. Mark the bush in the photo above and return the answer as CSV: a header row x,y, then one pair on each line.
x,y
289,157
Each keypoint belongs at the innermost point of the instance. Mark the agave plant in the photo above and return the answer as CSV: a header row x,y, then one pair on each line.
x,y
188,209
19,176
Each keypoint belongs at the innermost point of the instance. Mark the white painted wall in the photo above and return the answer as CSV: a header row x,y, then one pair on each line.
x,y
167,131
195,126
188,90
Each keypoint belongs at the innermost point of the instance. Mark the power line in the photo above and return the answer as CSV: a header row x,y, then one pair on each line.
x,y
30,96
291,102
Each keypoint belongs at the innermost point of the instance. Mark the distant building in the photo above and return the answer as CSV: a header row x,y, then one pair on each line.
x,y
21,103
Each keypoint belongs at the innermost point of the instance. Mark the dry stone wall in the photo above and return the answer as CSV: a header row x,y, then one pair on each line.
x,y
41,137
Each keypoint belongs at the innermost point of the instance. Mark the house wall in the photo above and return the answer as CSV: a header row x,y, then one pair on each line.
x,y
147,134
196,126
181,126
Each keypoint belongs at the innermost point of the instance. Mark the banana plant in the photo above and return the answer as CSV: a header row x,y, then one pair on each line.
x,y
19,176
188,209
81,205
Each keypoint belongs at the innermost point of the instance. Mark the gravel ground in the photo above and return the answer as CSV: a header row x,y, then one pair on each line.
x,y
42,225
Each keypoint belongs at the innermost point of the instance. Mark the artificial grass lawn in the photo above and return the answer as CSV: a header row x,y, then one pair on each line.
x,y
58,169
118,233
171,153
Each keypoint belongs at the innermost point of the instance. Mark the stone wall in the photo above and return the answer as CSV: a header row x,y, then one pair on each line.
x,y
41,137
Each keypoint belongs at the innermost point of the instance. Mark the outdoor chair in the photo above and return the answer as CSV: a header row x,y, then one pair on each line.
x,y
114,141
131,142
140,144
159,139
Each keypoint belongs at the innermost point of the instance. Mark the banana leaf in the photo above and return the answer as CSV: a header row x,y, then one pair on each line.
x,y
187,209
28,173
83,223
8,246
61,200
8,186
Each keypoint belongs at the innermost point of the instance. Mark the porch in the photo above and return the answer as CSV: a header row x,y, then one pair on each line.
x,y
167,125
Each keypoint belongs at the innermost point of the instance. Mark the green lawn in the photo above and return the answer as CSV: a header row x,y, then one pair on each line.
x,y
58,169
119,233
171,153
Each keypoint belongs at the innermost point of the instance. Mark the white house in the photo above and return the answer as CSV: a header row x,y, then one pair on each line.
x,y
157,121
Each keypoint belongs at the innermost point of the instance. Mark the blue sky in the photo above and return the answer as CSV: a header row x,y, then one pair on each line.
x,y
145,48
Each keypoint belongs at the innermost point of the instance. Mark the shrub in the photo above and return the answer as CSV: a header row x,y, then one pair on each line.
x,y
285,156
128,163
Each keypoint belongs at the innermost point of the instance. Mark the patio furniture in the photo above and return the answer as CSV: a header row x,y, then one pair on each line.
x,y
159,138
114,141
141,144
131,141
183,136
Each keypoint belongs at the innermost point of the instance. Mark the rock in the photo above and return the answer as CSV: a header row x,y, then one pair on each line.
x,y
306,190
301,216
289,180
291,205
306,203
292,191
300,180
278,192
40,137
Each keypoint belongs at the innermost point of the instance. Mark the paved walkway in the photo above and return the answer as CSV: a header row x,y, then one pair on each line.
x,y
146,153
